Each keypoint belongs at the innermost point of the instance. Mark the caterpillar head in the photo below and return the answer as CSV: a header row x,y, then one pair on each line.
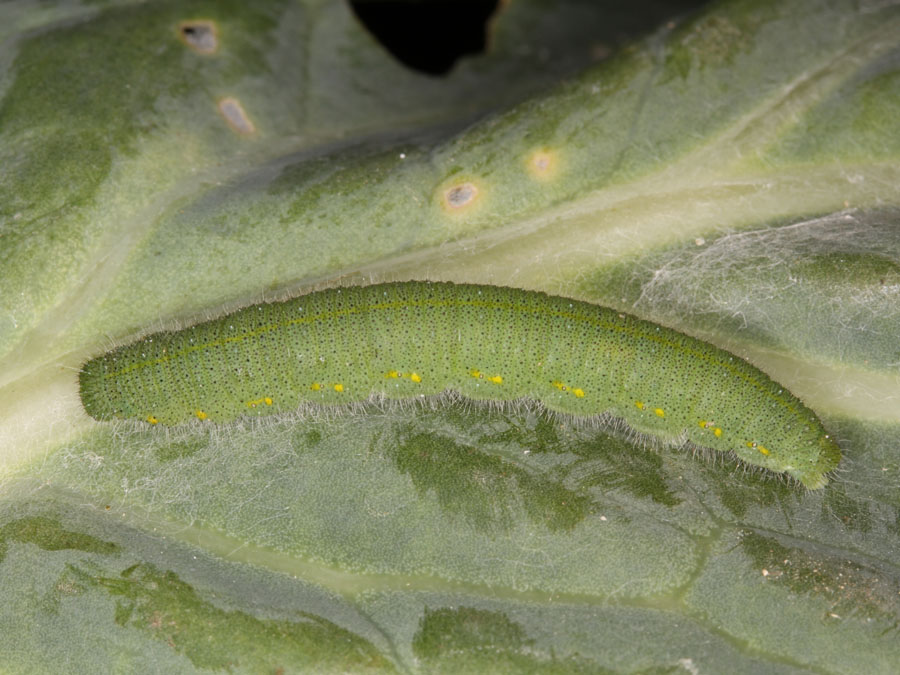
x,y
814,472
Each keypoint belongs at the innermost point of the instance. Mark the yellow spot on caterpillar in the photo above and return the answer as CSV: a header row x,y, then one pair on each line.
x,y
315,386
339,387
717,431
757,446
579,393
152,419
542,164
496,379
259,401
639,405
660,412
201,415
395,374
233,112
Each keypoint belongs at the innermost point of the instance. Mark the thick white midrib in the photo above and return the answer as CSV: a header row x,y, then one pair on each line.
x,y
720,168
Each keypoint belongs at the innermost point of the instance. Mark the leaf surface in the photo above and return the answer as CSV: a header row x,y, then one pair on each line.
x,y
734,173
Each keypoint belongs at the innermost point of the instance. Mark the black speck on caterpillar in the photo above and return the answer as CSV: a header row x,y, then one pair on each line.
x,y
414,339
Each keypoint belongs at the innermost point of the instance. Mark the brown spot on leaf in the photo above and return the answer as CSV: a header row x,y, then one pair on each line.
x,y
543,164
200,35
234,114
459,196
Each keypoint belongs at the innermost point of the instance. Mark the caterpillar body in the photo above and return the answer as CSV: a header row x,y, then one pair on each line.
x,y
414,339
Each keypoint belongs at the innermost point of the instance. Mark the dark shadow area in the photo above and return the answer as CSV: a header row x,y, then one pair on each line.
x,y
428,36
432,35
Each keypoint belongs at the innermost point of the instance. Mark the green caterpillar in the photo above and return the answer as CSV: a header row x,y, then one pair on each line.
x,y
415,339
